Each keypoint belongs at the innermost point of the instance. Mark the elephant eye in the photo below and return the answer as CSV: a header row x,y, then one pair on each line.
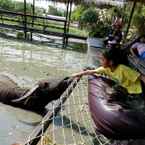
x,y
46,85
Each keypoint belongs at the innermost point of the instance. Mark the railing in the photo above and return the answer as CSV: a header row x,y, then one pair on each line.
x,y
38,25
48,25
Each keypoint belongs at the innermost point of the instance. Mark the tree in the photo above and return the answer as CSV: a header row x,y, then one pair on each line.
x,y
139,19
77,13
6,4
89,18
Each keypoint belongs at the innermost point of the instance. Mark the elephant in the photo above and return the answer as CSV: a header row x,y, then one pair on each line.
x,y
45,92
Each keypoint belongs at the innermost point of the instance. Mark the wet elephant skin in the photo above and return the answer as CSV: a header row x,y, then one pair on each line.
x,y
9,90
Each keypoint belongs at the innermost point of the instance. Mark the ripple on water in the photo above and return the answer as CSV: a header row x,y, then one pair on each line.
x,y
16,124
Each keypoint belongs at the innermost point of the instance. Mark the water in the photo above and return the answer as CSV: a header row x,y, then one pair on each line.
x,y
13,128
34,62
28,63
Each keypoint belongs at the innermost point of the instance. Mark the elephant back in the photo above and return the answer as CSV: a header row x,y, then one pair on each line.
x,y
7,80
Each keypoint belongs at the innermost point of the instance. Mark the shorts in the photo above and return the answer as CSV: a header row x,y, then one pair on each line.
x,y
142,56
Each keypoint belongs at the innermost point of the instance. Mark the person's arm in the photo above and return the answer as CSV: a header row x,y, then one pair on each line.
x,y
99,70
142,77
86,72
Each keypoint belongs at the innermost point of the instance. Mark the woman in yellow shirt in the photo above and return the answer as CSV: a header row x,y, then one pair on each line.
x,y
124,75
127,78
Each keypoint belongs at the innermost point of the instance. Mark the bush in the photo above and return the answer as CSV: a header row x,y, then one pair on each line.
x,y
89,16
6,4
91,21
77,13
100,30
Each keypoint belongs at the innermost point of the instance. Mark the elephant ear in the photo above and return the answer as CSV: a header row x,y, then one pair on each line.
x,y
28,94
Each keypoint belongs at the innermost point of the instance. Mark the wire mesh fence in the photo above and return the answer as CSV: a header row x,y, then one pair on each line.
x,y
72,125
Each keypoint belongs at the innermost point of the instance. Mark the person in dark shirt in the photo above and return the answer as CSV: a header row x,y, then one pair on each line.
x,y
115,34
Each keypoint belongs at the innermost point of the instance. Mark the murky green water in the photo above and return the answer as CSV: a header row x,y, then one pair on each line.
x,y
29,63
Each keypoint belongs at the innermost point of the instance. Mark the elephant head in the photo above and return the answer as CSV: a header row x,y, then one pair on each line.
x,y
45,92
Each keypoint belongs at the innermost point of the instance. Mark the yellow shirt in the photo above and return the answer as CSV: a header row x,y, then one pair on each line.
x,y
126,77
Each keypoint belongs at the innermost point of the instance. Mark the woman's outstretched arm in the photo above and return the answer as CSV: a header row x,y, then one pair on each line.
x,y
86,72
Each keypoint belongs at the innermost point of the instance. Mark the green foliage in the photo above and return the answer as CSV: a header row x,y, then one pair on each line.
x,y
139,22
54,11
76,14
116,11
97,27
6,4
139,19
19,7
143,10
89,16
122,11
100,30
89,19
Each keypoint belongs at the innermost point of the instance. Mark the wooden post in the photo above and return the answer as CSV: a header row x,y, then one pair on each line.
x,y
69,19
33,13
25,19
65,24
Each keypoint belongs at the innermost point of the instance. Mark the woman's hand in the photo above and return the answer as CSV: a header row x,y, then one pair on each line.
x,y
85,72
76,75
